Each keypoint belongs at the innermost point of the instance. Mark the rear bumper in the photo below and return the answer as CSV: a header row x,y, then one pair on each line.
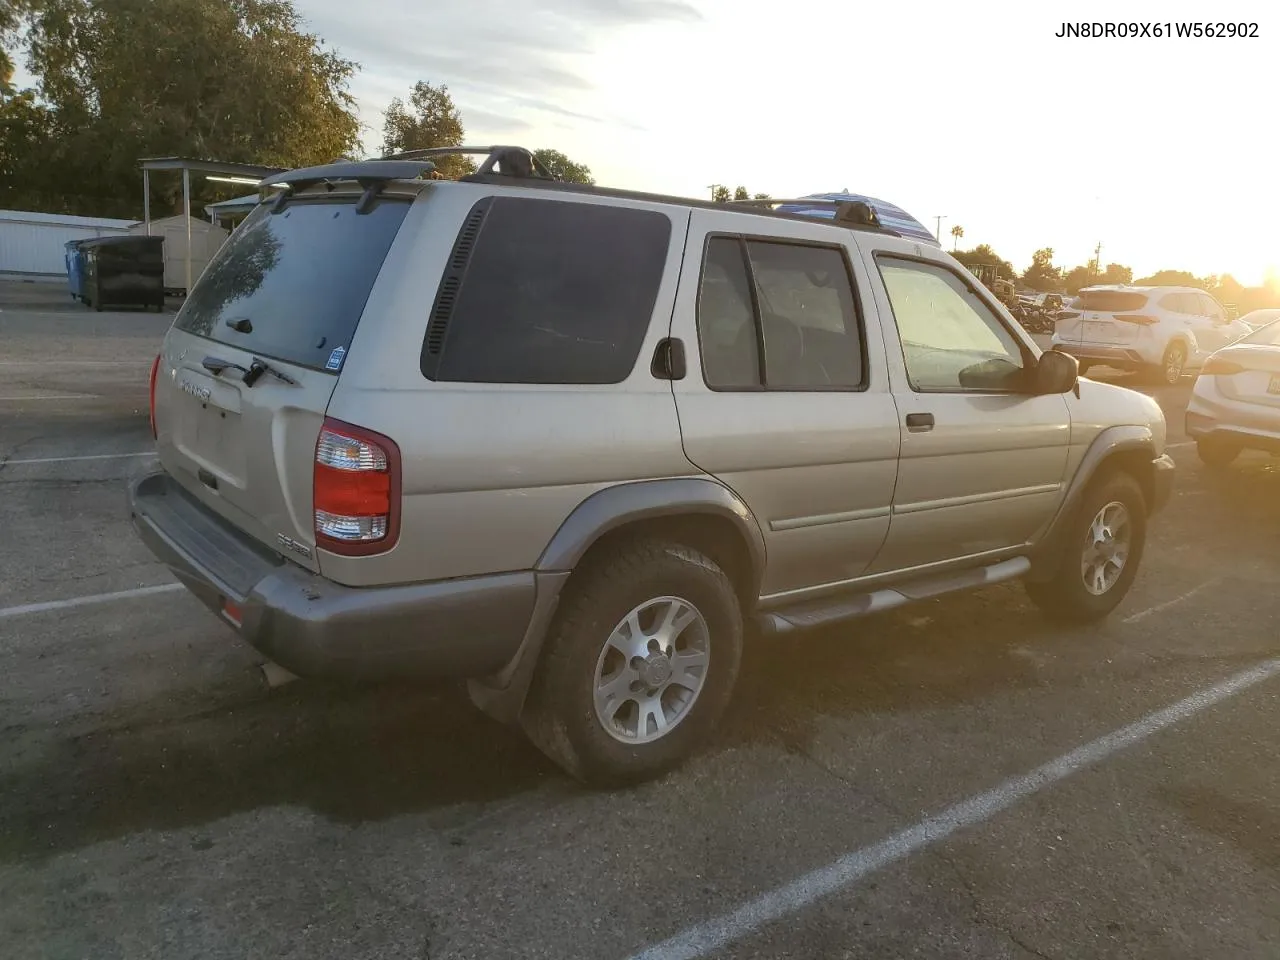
x,y
313,627
1250,426
1115,356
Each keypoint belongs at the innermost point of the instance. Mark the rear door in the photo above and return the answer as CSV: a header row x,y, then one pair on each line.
x,y
284,296
787,401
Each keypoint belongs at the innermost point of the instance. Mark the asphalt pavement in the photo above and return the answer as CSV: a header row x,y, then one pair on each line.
x,y
954,779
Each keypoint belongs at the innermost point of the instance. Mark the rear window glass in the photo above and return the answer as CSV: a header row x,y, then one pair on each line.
x,y
1110,301
1268,336
551,292
299,278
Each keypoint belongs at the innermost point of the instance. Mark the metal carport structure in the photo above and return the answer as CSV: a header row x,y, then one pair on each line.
x,y
244,173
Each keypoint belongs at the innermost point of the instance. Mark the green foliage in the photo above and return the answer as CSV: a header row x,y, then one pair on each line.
x,y
720,194
1042,274
563,167
118,80
431,119
983,254
1171,278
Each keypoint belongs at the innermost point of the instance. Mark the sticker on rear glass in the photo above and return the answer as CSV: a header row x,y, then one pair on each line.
x,y
335,358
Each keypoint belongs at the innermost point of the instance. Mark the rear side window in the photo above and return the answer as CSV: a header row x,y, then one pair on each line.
x,y
294,283
547,291
791,304
1110,301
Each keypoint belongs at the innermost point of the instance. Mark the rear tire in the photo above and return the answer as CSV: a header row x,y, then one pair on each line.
x,y
592,708
1111,518
1172,365
1216,453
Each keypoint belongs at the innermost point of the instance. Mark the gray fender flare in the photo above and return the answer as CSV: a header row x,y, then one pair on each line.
x,y
624,503
1118,439
502,695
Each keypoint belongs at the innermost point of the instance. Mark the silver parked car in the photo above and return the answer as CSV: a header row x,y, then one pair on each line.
x,y
1235,404
571,442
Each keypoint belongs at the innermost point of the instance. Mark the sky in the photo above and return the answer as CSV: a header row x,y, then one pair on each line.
x,y
1165,151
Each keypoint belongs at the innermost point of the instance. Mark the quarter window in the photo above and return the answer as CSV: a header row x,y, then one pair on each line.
x,y
552,291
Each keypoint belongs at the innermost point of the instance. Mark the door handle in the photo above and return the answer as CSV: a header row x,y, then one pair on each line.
x,y
919,422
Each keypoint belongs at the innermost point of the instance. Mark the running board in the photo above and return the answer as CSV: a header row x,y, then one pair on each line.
x,y
847,606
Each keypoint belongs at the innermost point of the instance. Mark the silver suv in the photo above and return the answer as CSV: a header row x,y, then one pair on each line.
x,y
572,443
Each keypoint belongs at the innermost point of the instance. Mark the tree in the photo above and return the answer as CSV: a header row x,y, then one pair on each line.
x,y
564,168
957,232
236,80
720,194
1171,278
1116,273
741,194
1042,274
431,119
761,196
983,254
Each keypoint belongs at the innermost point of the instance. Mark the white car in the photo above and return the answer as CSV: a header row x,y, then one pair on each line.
x,y
1259,318
1164,331
1236,401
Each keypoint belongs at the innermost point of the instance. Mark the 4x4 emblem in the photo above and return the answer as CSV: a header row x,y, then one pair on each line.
x,y
292,544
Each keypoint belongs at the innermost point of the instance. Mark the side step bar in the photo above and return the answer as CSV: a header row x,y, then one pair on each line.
x,y
846,606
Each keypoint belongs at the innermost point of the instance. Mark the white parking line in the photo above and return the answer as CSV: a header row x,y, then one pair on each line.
x,y
713,934
53,605
1143,614
94,456
60,396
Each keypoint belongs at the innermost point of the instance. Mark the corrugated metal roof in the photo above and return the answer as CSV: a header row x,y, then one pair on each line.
x,y
891,215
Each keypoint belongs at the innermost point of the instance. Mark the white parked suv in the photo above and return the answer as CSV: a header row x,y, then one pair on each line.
x,y
1163,331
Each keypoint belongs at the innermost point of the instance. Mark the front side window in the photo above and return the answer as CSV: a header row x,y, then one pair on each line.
x,y
778,316
952,342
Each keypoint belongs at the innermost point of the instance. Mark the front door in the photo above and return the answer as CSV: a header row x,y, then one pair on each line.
x,y
786,400
983,462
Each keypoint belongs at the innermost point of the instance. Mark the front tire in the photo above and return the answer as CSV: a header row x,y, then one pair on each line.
x,y
1101,553
639,666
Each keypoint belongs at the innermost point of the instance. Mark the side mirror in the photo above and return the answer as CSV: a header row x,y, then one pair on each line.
x,y
1056,372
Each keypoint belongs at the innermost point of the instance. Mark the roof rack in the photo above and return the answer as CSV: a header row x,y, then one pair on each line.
x,y
857,214
373,175
508,160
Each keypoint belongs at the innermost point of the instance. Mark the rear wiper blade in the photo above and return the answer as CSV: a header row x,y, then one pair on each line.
x,y
259,367
252,374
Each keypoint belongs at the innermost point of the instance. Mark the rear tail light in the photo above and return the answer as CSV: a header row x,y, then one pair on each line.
x,y
1139,318
151,388
1215,367
356,490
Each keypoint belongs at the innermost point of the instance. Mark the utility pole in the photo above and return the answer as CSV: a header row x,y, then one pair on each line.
x,y
938,232
1097,259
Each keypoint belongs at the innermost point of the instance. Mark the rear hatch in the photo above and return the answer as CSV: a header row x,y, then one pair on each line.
x,y
1104,317
283,297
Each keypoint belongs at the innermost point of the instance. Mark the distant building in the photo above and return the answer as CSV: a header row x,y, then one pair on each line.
x,y
33,245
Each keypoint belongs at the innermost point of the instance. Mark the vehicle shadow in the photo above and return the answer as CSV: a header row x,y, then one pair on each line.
x,y
353,754
367,753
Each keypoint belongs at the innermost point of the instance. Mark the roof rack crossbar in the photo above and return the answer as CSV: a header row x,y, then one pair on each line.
x,y
852,213
513,161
